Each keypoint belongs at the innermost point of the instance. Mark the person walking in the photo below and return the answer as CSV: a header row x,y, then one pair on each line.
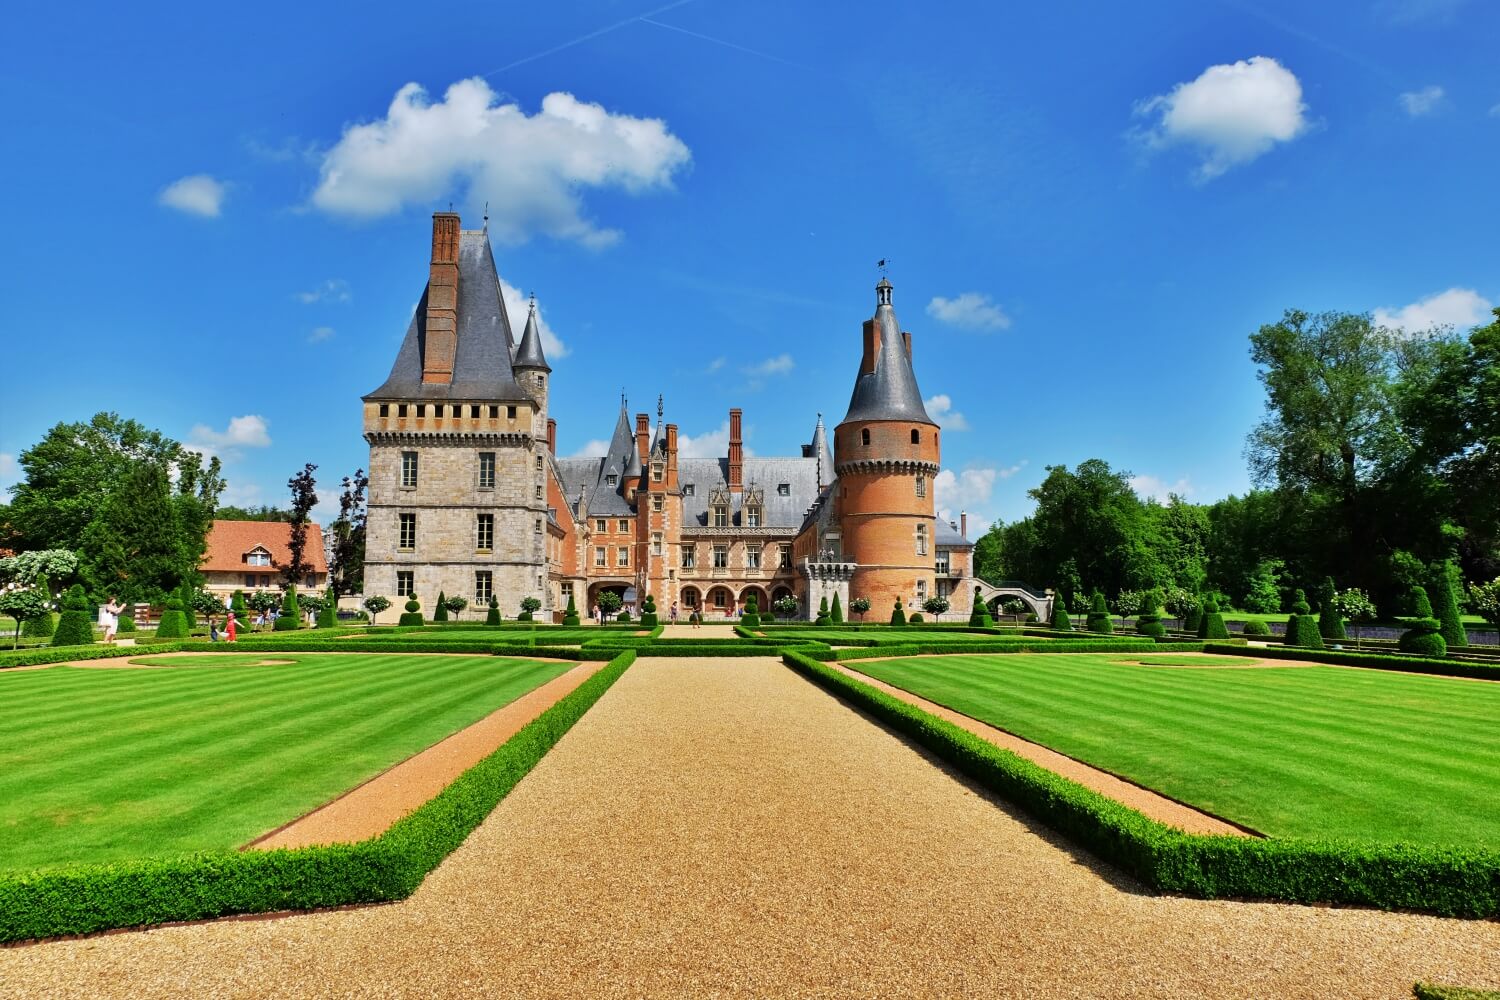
x,y
598,618
213,629
229,628
673,613
109,617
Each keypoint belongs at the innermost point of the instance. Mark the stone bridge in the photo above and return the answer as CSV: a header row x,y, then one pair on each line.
x,y
1039,602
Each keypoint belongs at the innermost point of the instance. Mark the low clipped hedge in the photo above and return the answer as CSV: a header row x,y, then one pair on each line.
x,y
1375,661
1450,882
65,654
1052,646
1437,991
88,898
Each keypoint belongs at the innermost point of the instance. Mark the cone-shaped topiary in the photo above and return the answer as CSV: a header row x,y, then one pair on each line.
x,y
1211,625
822,618
570,616
74,627
1061,620
898,614
239,607
413,612
1445,605
173,624
1425,636
290,618
979,613
328,614
836,610
492,616
1330,622
648,611
1302,627
185,598
1148,620
440,613
751,614
1099,620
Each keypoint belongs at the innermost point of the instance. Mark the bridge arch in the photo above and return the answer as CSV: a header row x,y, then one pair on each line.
x,y
1038,602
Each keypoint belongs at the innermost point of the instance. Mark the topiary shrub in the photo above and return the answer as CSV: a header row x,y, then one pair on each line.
x,y
74,627
239,607
570,616
1330,622
1302,627
1445,605
859,606
492,616
1211,623
1148,619
1192,619
823,618
898,614
127,619
185,597
173,624
1099,620
1255,628
979,612
836,611
1061,620
440,613
649,619
1425,635
529,607
290,618
916,618
328,614
623,616
413,613
751,616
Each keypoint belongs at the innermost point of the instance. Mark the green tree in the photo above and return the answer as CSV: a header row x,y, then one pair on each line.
x,y
609,602
1485,598
24,604
376,604
1424,636
1444,587
570,616
822,618
1061,620
1263,595
304,498
934,605
898,614
328,614
137,548
859,605
1099,619
347,570
529,607
1092,532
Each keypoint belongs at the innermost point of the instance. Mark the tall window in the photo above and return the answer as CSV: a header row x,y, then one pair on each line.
x,y
484,534
916,436
657,472
407,536
752,557
510,413
721,557
656,503
405,585
941,566
689,556
599,556
786,556
486,470
622,556
922,588
484,586
623,527
921,539
600,526
721,516
752,517
656,543
921,485
539,463
408,470
538,491
864,436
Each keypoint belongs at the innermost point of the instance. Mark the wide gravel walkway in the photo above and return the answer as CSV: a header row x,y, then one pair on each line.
x,y
723,828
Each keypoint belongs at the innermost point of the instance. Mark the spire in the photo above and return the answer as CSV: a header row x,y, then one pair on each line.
x,y
659,439
886,387
822,453
529,354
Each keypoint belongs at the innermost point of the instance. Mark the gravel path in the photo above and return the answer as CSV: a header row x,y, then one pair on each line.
x,y
724,828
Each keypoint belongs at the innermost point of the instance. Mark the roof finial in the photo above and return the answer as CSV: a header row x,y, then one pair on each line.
x,y
486,215
533,298
658,407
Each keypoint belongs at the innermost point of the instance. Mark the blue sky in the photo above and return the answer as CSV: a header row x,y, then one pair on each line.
x,y
217,218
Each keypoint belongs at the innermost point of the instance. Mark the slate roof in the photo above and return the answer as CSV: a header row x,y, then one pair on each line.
x,y
890,391
482,365
947,535
800,475
529,353
229,541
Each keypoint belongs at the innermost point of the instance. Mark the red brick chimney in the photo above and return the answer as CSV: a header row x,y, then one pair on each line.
x,y
552,437
871,348
442,301
643,437
671,453
736,453
906,339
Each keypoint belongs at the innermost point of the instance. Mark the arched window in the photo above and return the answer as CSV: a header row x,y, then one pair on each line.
x,y
916,436
864,436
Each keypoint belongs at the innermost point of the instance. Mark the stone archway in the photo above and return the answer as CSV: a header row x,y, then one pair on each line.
x,y
691,599
762,599
719,601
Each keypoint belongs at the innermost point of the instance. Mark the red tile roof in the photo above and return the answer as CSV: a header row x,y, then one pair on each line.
x,y
229,541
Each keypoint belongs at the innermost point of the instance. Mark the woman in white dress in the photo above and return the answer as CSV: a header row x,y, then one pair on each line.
x,y
109,617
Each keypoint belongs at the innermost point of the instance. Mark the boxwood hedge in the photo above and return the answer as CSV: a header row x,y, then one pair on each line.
x,y
1375,661
88,898
1451,882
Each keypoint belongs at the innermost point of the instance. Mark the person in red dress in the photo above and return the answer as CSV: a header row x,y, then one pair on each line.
x,y
229,628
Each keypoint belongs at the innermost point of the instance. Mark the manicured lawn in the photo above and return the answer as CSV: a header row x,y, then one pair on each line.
x,y
835,636
107,764
1316,752
493,636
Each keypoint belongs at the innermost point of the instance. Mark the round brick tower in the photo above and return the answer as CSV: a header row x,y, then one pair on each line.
x,y
886,454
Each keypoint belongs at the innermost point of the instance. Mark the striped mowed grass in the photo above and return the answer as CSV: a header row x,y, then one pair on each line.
x,y
209,752
1301,751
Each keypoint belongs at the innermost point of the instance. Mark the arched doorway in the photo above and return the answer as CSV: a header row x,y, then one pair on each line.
x,y
720,602
616,587
762,601
691,599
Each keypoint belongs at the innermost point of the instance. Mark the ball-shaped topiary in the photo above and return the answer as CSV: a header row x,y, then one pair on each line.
x,y
1061,620
570,616
1302,627
1211,624
1255,628
1445,605
623,616
750,617
1330,622
413,613
73,626
290,618
440,614
898,614
126,621
173,624
492,615
1099,620
916,618
822,618
648,611
1425,635
836,611
1148,619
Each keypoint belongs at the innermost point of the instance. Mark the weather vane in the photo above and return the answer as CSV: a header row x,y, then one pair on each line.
x,y
883,263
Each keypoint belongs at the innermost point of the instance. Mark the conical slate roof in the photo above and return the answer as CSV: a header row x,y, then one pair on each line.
x,y
481,364
529,354
890,391
822,453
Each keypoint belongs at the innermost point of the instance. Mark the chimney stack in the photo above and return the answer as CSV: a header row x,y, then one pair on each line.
x,y
552,437
442,301
906,339
643,437
963,523
672,452
736,453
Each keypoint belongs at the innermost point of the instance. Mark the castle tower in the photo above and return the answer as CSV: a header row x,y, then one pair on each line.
x,y
458,436
886,454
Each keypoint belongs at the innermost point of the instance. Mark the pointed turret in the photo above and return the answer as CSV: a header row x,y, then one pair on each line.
x,y
659,440
529,353
886,388
822,453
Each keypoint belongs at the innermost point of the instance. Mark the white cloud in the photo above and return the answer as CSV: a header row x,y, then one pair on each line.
x,y
320,334
781,364
531,169
709,444
1457,307
1153,488
332,290
1422,102
248,431
241,493
516,306
198,194
716,364
968,492
971,310
1232,114
10,470
940,408
597,448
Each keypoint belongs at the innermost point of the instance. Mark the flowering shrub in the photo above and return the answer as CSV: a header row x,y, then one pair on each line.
x,y
1355,605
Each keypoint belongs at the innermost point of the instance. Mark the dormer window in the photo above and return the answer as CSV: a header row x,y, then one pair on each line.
x,y
611,480
258,556
752,517
783,489
689,489
721,515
